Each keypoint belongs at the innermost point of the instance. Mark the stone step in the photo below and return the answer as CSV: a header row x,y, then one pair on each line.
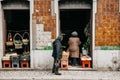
x,y
72,79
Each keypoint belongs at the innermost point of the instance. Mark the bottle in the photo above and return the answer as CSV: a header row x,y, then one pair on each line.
x,y
10,37
83,50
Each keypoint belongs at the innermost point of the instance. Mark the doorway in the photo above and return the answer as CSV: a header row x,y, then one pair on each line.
x,y
16,17
75,19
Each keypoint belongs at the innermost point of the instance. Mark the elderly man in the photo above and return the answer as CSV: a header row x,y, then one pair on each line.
x,y
57,54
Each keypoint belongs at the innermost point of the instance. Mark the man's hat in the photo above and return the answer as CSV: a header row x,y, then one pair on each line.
x,y
60,37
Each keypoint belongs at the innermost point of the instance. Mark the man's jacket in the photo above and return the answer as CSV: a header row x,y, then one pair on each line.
x,y
57,49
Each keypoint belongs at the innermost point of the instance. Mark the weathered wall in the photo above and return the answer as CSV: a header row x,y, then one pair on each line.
x,y
107,36
107,32
44,31
106,60
42,59
44,23
43,15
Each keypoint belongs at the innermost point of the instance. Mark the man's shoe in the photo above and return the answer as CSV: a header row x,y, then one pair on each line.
x,y
57,73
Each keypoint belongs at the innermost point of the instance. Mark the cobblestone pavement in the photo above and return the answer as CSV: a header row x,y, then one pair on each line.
x,y
66,75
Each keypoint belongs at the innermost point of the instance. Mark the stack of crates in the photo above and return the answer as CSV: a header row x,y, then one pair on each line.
x,y
64,60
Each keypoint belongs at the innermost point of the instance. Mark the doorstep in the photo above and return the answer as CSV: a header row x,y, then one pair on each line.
x,y
78,68
70,68
21,69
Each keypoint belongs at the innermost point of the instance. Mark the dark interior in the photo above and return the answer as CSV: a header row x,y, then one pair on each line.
x,y
74,20
17,19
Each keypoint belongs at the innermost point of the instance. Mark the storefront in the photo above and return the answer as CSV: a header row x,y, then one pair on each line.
x,y
42,21
15,33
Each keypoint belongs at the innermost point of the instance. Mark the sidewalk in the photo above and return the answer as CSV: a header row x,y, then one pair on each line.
x,y
66,75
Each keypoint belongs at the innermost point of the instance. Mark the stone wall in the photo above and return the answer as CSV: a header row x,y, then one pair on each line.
x,y
107,23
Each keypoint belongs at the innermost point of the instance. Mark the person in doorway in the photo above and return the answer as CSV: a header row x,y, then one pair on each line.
x,y
73,48
57,54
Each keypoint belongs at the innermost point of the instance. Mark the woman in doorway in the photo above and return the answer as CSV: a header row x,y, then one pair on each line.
x,y
73,48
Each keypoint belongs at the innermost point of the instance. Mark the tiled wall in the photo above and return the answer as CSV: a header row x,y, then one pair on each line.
x,y
107,23
43,15
45,23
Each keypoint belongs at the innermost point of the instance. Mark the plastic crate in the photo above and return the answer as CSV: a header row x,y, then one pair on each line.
x,y
85,63
15,61
24,64
6,63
